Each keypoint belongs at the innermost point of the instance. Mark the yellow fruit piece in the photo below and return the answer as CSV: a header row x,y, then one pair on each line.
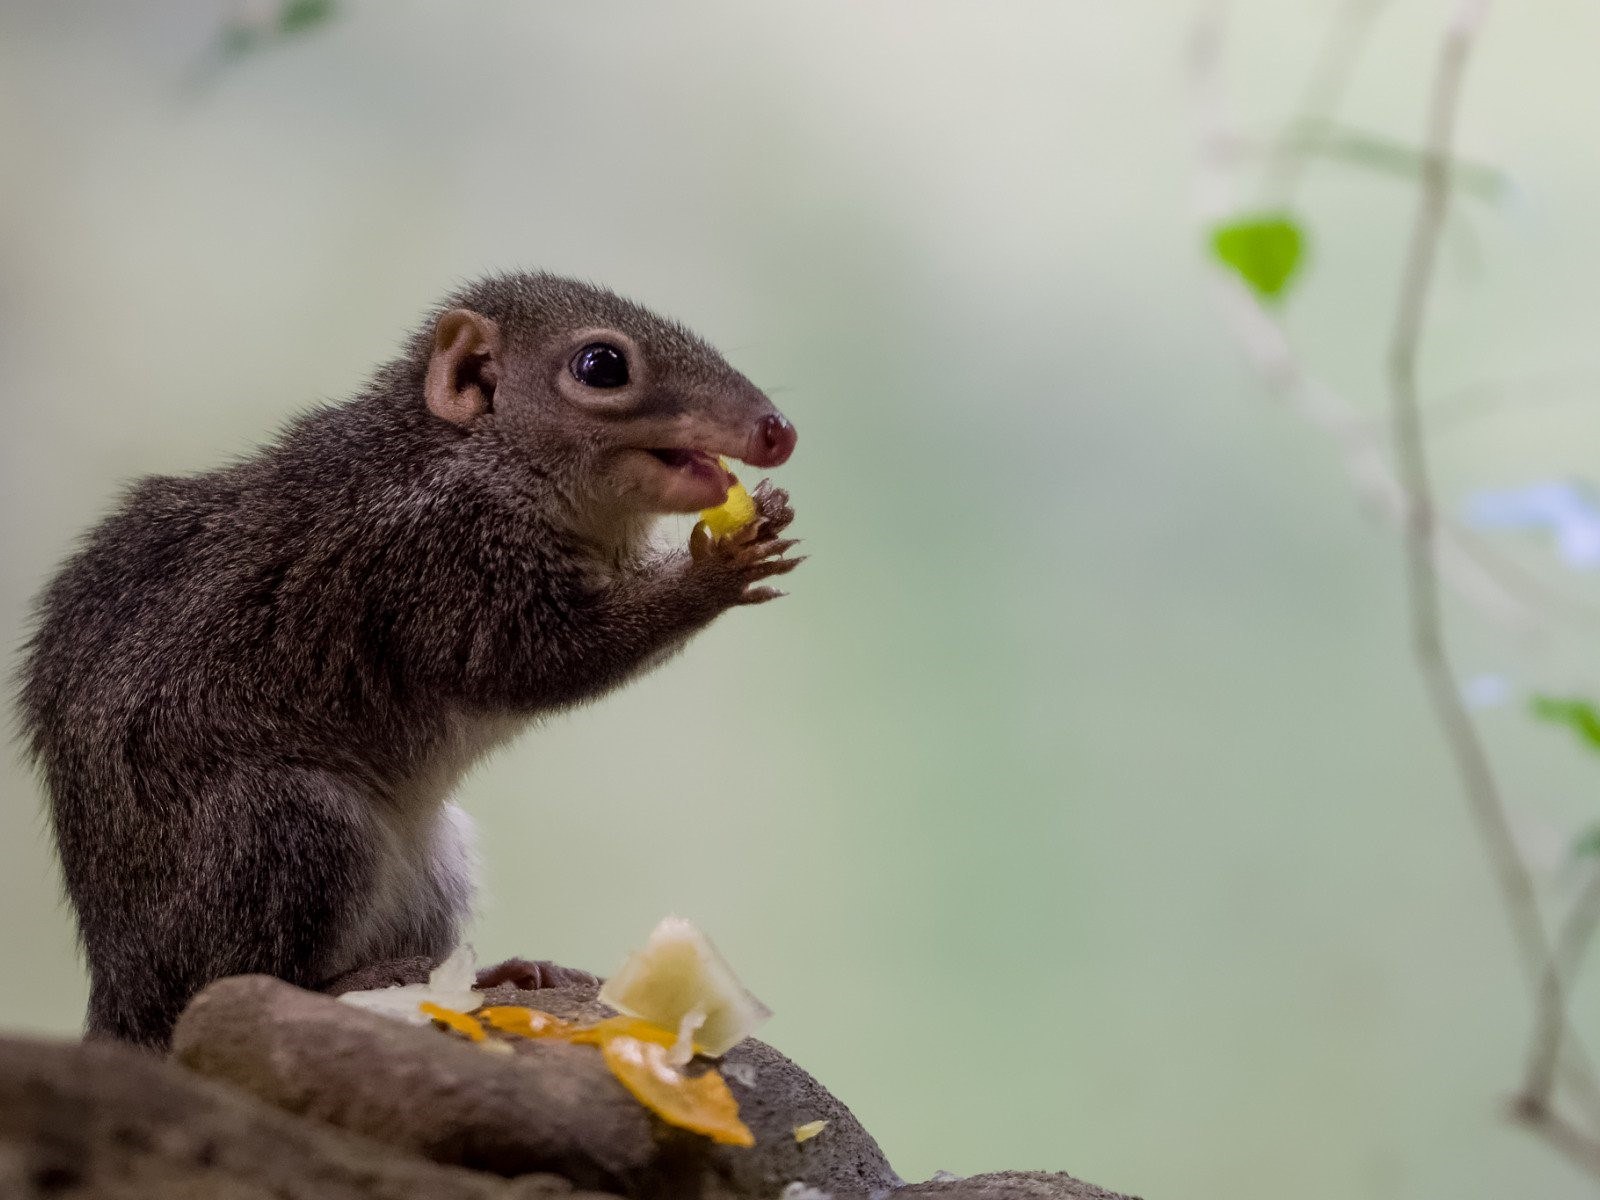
x,y
735,512
679,975
804,1133
451,1019
699,1103
526,1022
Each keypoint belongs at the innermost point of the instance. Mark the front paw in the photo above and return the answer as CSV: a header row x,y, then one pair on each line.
x,y
733,565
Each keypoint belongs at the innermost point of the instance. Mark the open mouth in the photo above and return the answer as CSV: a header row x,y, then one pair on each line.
x,y
696,466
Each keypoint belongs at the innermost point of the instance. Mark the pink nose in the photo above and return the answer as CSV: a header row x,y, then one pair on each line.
x,y
772,443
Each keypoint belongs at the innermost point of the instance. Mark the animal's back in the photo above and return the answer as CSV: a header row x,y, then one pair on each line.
x,y
167,701
251,691
119,619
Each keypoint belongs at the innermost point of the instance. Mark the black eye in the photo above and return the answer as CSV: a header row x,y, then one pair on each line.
x,y
599,365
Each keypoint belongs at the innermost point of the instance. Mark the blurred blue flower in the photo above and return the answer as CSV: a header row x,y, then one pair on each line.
x,y
1569,510
1486,691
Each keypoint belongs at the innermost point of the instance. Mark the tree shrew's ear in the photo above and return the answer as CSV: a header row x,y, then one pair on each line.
x,y
465,366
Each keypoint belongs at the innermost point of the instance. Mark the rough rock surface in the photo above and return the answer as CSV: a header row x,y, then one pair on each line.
x,y
449,1100
309,1097
104,1120
417,1089
1004,1185
780,1096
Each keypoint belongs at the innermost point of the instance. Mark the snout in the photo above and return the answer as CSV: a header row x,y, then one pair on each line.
x,y
771,442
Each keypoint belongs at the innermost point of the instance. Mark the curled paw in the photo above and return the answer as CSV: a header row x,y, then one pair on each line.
x,y
736,563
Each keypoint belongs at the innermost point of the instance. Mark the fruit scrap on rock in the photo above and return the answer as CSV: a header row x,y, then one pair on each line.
x,y
641,1056
677,997
735,512
601,1032
701,1103
678,981
450,985
459,1021
804,1133
526,1022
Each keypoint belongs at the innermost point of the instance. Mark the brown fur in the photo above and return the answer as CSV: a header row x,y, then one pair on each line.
x,y
252,690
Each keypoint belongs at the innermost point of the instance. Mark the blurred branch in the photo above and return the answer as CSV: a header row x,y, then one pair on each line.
x,y
1550,968
1578,930
1421,522
1561,974
1435,552
1476,773
1322,138
1329,80
1577,1147
1546,389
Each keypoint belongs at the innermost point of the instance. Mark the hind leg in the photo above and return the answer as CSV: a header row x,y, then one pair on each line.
x,y
420,899
267,875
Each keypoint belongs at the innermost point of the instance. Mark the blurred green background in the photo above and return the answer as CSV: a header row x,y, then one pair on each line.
x,y
1079,809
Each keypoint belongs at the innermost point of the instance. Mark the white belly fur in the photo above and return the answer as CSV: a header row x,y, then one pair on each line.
x,y
426,861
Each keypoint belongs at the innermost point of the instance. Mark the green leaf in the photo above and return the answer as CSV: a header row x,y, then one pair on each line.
x,y
1264,250
238,40
1577,715
298,15
249,33
1588,843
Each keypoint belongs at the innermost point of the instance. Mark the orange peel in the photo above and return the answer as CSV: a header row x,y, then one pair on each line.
x,y
459,1021
641,1056
526,1022
677,997
602,1032
701,1103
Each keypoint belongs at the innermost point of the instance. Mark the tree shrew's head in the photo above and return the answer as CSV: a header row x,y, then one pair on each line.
x,y
631,409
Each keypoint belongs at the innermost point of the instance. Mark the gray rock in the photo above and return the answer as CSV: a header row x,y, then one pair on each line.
x,y
1006,1185
780,1096
418,1090
547,1107
101,1120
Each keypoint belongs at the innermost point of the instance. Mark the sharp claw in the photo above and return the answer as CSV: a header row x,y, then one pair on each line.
x,y
772,566
700,542
761,595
